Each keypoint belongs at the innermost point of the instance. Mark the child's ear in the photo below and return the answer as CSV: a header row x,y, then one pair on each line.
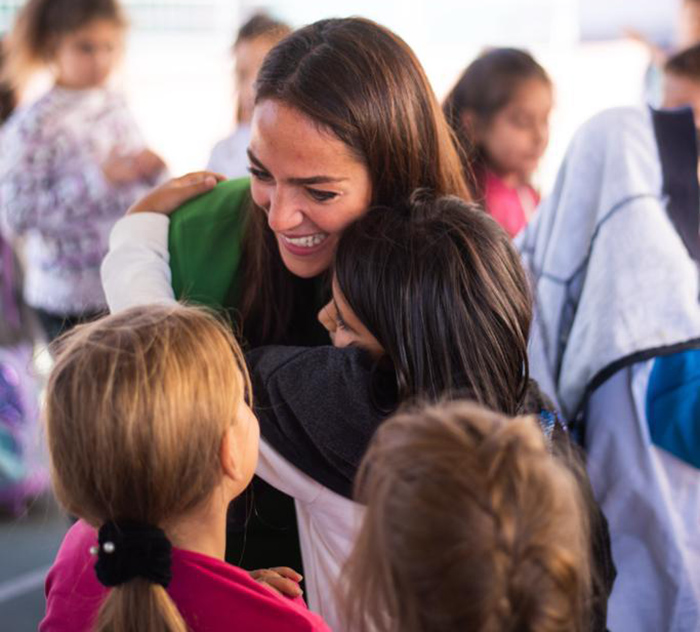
x,y
230,456
469,121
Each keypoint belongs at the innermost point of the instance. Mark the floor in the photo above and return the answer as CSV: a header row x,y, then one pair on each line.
x,y
28,545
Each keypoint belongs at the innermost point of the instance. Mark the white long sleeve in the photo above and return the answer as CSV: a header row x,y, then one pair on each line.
x,y
136,270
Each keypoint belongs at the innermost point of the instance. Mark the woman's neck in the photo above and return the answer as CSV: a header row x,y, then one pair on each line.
x,y
202,530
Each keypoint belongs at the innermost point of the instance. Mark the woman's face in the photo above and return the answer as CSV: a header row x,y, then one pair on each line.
x,y
308,182
344,327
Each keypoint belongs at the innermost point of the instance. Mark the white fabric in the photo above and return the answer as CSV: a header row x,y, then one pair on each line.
x,y
611,275
229,156
612,278
652,502
328,526
136,270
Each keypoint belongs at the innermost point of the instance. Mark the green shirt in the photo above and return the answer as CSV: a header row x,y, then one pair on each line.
x,y
205,243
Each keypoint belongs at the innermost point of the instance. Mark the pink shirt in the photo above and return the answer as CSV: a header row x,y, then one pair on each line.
x,y
211,595
511,207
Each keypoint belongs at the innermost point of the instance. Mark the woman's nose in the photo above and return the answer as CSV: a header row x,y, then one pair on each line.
x,y
283,212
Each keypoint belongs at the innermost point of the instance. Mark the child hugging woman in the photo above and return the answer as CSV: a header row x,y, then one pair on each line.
x,y
71,162
499,111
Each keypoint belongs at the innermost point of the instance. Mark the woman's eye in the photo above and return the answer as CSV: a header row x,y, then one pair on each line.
x,y
258,174
340,324
322,196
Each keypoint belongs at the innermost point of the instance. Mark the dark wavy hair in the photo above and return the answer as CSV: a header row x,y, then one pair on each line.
x,y
439,284
363,84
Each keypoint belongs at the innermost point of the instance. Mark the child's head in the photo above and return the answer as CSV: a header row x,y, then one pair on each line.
x,y
499,111
254,40
470,525
682,81
81,40
147,422
437,289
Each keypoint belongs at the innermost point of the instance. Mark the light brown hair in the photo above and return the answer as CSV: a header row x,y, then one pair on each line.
x,y
470,525
137,406
363,84
41,24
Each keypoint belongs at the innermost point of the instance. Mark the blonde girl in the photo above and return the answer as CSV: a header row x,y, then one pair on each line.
x,y
151,438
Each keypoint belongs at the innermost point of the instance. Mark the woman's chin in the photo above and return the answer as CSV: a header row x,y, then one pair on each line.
x,y
306,267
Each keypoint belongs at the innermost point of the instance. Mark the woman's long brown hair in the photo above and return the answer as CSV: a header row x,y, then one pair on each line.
x,y
365,85
137,406
470,525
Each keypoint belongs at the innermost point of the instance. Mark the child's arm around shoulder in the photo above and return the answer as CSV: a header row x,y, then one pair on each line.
x,y
137,269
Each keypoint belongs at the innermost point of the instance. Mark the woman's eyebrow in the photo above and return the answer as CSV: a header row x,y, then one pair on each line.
x,y
342,318
298,181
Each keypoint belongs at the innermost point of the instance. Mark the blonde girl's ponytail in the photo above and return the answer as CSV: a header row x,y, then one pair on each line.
x,y
136,408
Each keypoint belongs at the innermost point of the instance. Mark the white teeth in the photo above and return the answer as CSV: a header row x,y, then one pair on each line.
x,y
306,242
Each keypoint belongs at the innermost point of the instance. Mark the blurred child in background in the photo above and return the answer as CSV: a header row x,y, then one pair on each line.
x,y
499,111
74,160
255,38
22,474
682,81
470,525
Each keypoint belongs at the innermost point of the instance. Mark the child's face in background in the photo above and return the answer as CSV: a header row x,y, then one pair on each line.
x,y
344,326
250,54
517,136
688,24
682,91
86,57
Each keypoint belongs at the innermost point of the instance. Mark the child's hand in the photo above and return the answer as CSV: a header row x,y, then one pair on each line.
x,y
149,164
281,580
121,169
173,193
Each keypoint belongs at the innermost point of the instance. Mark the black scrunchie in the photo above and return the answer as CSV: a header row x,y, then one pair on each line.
x,y
128,550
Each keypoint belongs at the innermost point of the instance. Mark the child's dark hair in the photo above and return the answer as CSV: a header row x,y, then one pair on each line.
x,y
442,289
486,86
686,63
262,25
470,525
42,23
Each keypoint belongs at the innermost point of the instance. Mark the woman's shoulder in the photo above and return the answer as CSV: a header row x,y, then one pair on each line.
x,y
205,243
223,203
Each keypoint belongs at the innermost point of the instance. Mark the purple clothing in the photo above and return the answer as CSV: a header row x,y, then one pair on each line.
x,y
211,595
53,191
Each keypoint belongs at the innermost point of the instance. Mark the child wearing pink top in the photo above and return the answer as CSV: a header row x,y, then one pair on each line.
x,y
150,439
499,111
209,593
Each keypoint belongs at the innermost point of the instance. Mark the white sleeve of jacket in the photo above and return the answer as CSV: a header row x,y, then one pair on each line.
x,y
136,270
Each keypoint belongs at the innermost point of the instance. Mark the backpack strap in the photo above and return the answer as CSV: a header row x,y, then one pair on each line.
x,y
678,153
